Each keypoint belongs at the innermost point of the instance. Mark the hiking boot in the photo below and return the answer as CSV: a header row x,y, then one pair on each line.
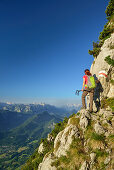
x,y
82,108
90,111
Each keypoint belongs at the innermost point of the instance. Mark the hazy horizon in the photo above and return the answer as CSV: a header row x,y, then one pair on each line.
x,y
52,101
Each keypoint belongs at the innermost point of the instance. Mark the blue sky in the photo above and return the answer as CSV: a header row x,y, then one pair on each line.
x,y
44,48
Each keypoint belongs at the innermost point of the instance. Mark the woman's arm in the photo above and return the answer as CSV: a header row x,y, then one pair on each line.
x,y
83,84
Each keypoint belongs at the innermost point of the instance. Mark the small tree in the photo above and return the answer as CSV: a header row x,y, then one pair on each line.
x,y
110,9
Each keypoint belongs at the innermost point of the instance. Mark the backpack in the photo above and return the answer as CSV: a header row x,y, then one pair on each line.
x,y
91,82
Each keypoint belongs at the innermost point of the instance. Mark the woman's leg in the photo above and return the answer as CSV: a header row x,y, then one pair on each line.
x,y
83,99
91,100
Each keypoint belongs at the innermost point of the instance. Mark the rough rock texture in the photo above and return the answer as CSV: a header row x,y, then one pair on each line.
x,y
50,138
64,139
41,148
107,160
99,125
104,87
85,166
99,129
92,156
99,62
84,119
85,113
46,163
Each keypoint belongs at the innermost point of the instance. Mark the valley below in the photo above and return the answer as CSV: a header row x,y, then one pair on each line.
x,y
22,130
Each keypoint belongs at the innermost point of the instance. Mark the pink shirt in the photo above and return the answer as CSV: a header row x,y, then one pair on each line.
x,y
86,79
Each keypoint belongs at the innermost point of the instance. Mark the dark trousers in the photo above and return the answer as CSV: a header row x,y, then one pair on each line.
x,y
91,94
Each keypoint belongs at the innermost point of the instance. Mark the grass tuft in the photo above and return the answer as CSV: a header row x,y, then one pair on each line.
x,y
98,137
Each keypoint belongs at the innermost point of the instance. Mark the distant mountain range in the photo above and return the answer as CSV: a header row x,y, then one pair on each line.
x,y
66,110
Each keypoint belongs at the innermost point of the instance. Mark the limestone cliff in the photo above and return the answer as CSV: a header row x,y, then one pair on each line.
x,y
99,64
105,87
86,143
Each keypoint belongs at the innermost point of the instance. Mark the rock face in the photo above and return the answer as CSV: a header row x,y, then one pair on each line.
x,y
85,166
104,88
46,163
99,129
64,140
92,156
41,148
84,119
92,132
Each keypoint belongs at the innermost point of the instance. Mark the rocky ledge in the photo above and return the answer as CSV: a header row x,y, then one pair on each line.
x,y
86,143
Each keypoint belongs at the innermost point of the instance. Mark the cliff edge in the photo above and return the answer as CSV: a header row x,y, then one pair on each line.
x,y
85,143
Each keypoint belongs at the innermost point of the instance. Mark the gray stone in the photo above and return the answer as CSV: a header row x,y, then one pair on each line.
x,y
99,129
50,138
107,134
46,163
41,148
101,112
85,113
108,150
83,122
92,156
108,109
64,139
84,118
107,160
85,166
107,114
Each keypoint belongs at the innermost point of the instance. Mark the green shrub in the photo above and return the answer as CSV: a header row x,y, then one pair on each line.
x,y
72,115
111,136
76,143
64,159
48,146
105,33
58,127
100,153
78,113
105,102
110,9
112,82
103,166
56,163
93,62
74,121
112,46
33,162
65,121
89,129
98,137
109,61
96,49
